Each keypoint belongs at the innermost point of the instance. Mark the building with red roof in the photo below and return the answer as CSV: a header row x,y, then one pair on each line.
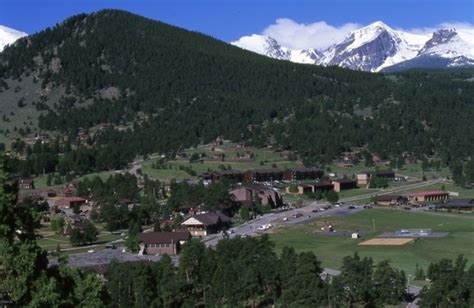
x,y
428,196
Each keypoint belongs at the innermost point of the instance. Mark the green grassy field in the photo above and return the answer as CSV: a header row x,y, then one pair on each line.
x,y
411,170
40,181
269,158
330,250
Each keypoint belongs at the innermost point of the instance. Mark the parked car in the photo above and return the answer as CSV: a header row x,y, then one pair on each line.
x,y
315,210
351,207
298,215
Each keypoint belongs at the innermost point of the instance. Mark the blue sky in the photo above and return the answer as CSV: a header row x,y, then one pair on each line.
x,y
231,19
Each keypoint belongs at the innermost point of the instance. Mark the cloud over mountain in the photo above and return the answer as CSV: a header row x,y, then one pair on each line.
x,y
318,35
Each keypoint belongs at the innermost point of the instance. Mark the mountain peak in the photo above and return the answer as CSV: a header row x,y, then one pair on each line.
x,y
378,24
375,47
9,35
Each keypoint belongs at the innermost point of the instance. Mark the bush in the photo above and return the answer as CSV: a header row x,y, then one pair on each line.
x,y
332,196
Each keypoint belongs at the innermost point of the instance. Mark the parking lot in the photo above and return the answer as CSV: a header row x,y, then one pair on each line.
x,y
290,217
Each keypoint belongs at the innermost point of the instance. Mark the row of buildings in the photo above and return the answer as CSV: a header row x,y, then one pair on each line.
x,y
266,175
362,179
438,200
198,223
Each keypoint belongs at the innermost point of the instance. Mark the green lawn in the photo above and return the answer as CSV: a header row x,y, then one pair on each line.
x,y
268,156
40,181
411,170
163,174
414,170
50,242
355,192
331,250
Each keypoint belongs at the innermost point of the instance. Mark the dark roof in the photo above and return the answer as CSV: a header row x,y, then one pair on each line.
x,y
163,237
25,180
459,203
388,197
211,219
265,171
346,181
305,169
228,172
324,184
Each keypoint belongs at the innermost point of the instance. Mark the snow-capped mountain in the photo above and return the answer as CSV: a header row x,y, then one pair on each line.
x,y
269,47
9,35
377,47
374,47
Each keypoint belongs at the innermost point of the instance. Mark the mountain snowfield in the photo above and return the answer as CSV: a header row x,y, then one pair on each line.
x,y
377,47
9,35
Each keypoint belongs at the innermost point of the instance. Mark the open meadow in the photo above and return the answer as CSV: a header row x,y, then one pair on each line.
x,y
261,158
331,249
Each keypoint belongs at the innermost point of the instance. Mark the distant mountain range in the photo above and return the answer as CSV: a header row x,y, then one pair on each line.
x,y
377,47
9,35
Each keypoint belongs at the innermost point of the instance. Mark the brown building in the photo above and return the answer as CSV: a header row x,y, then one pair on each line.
x,y
263,175
323,186
391,200
458,205
428,196
298,174
202,225
363,178
250,193
26,183
66,202
160,243
342,184
231,175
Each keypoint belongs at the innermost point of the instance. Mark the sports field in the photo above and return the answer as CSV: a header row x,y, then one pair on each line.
x,y
387,241
331,249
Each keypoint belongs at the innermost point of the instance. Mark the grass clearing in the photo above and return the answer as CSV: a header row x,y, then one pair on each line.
x,y
261,159
332,249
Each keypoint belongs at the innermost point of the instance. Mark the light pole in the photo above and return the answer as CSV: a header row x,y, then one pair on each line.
x,y
373,224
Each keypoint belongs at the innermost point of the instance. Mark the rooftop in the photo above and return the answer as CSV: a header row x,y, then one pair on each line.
x,y
428,193
163,237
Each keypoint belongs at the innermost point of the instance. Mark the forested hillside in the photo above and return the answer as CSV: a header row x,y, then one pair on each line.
x,y
167,88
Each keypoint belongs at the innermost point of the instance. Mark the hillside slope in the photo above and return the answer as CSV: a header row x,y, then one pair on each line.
x,y
164,88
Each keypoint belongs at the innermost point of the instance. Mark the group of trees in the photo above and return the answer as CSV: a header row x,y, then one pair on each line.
x,y
114,188
451,284
248,272
377,182
85,235
214,196
463,172
26,279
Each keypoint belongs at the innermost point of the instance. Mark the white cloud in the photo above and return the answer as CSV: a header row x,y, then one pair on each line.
x,y
300,36
460,26
321,35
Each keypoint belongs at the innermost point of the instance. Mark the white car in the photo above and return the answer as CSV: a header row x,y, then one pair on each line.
x,y
285,218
